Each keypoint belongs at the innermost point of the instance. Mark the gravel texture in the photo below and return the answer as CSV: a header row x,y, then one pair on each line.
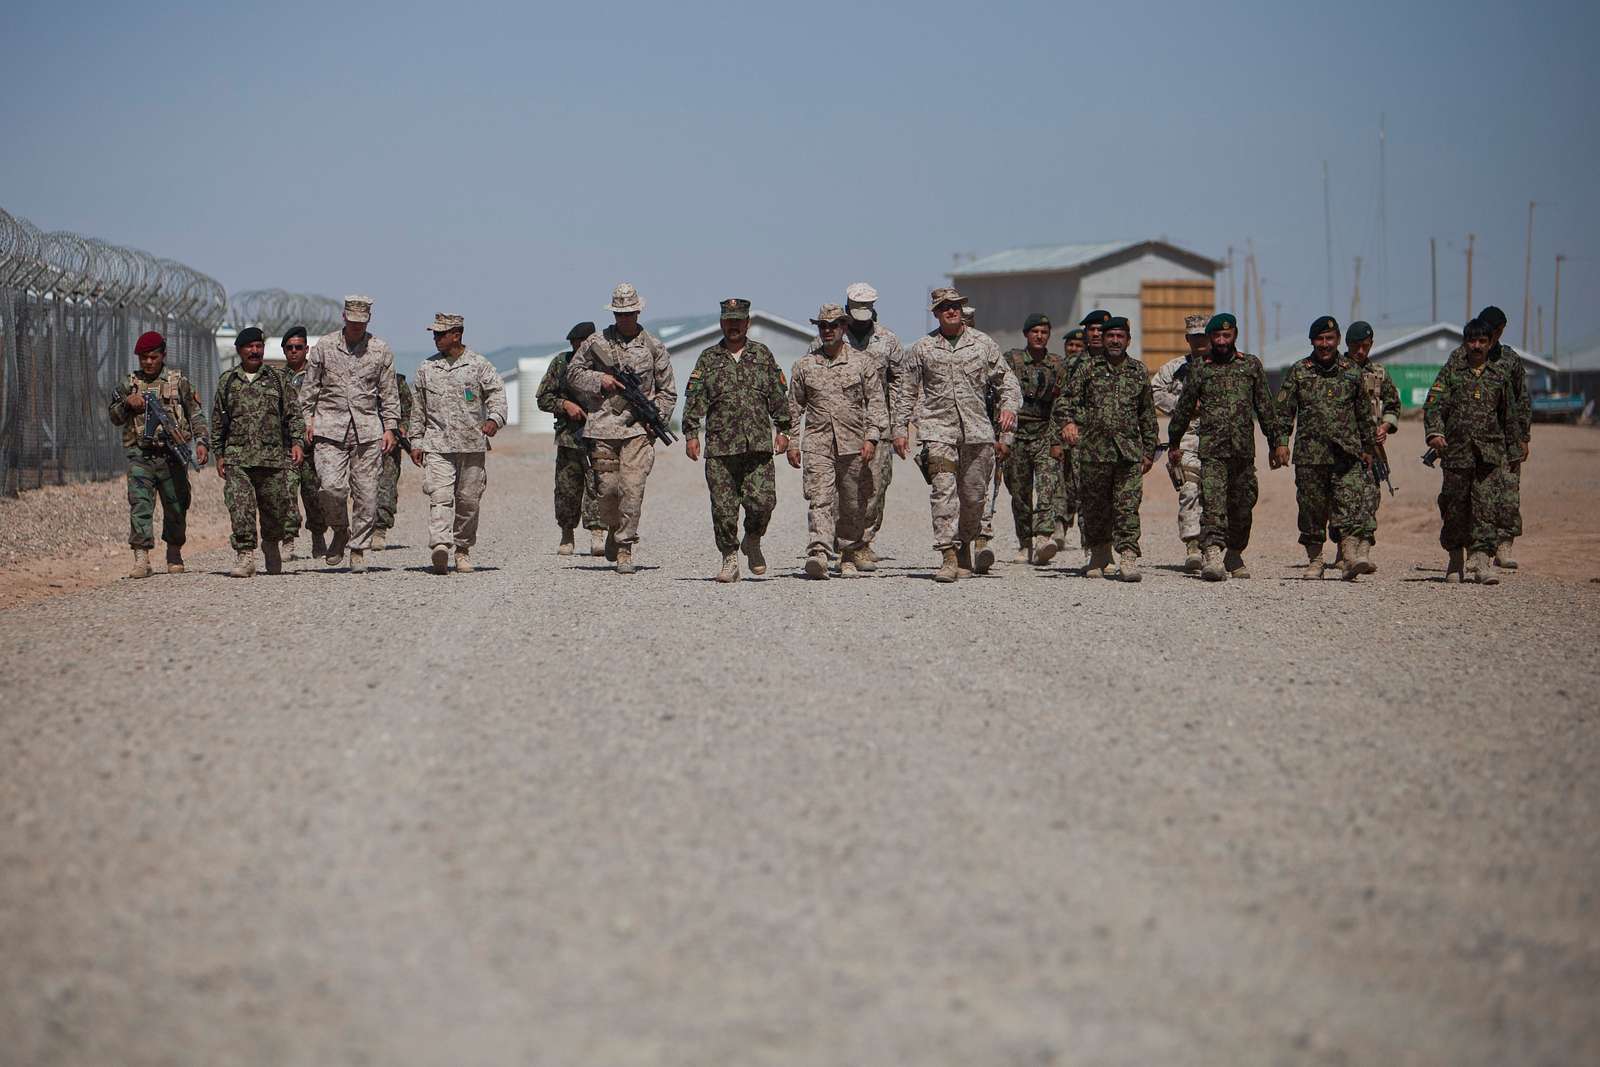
x,y
547,814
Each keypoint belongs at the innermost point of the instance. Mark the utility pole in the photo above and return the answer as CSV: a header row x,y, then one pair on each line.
x,y
1555,325
1433,276
1233,301
1261,301
1527,278
1355,293
1327,227
1383,217
1244,311
1541,327
1277,321
1470,239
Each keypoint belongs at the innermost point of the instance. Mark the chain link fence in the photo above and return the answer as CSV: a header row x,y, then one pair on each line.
x,y
71,308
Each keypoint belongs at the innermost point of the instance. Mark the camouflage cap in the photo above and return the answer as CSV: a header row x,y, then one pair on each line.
x,y
944,295
734,308
1193,325
358,308
443,323
625,298
828,313
859,298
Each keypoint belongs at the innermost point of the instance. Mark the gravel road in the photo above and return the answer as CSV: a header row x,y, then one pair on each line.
x,y
546,814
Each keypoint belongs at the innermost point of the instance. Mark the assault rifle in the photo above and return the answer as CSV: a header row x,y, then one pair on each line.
x,y
1430,457
157,420
1380,470
643,408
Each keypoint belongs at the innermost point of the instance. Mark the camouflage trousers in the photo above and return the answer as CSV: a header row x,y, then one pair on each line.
x,y
1332,494
155,474
745,480
454,482
1371,497
388,490
1228,492
1472,506
882,474
256,495
1188,490
618,470
838,490
303,491
1067,498
574,502
961,476
1511,525
1109,495
1033,478
347,476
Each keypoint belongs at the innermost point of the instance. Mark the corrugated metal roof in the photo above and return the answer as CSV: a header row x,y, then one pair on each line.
x,y
1585,355
1035,259
1386,339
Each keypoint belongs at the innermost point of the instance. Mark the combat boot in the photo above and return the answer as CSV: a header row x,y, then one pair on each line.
x,y
847,564
1099,565
751,547
1480,569
1213,569
612,547
288,550
1315,567
1502,556
730,568
1021,556
566,547
1059,535
597,543
1044,550
1457,566
174,559
1193,560
625,559
319,544
1130,567
441,559
950,569
141,563
378,540
336,546
244,565
982,556
1356,557
269,549
1234,563
816,565
358,561
463,560
1349,559
964,560
866,555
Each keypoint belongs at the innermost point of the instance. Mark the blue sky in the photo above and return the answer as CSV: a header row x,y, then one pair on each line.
x,y
512,161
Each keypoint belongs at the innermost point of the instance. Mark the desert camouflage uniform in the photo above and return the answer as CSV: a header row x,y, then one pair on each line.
x,y
946,380
574,502
303,487
257,422
884,346
1115,413
389,474
349,399
153,471
451,401
1165,388
738,401
1476,412
840,403
1335,429
1229,397
1510,365
1032,476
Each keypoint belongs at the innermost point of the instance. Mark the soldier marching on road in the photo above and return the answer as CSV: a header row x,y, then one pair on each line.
x,y
1383,399
389,474
864,333
1166,387
1072,359
154,469
258,429
303,487
1033,477
458,404
1504,359
574,502
947,372
836,391
736,392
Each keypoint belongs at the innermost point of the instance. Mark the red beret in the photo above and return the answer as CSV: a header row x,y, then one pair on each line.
x,y
149,342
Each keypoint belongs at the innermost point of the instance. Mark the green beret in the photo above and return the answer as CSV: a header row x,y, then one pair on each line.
x,y
1033,320
1095,317
1359,331
1322,325
1116,322
1074,334
1222,320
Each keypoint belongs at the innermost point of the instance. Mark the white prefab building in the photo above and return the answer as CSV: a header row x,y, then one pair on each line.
x,y
1154,284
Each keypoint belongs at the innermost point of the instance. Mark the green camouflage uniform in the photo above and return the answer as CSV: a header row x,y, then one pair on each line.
x,y
1335,429
153,471
256,424
1515,371
389,472
1476,412
303,485
574,501
1229,396
1067,498
1115,412
1383,400
739,402
1031,475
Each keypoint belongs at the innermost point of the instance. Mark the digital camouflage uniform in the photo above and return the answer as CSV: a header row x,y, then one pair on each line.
x,y
451,400
574,502
389,473
737,401
1230,397
256,424
1383,401
1327,410
1511,367
839,402
1476,412
1166,386
1067,510
1032,475
303,488
1115,413
153,472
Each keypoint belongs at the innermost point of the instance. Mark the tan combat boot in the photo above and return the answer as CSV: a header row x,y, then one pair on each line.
x,y
1502,556
847,564
288,550
336,546
1193,560
982,556
567,546
463,559
1364,549
597,542
1234,562
625,559
964,560
1355,558
1044,550
319,544
244,565
1348,559
1022,554
441,559
174,559
378,540
730,568
865,555
1314,564
1099,562
751,546
358,561
1456,569
1480,569
269,549
816,565
1212,569
1129,567
141,563
950,569
1059,535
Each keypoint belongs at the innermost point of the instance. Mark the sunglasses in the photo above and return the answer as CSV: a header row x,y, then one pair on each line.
x,y
295,348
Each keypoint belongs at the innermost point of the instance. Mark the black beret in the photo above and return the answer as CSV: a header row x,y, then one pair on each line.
x,y
1492,317
1322,325
1074,334
294,331
1095,317
1116,322
579,333
249,336
1359,331
1033,320
1477,328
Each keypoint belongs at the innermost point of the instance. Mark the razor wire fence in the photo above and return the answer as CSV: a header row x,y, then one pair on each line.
x,y
71,308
